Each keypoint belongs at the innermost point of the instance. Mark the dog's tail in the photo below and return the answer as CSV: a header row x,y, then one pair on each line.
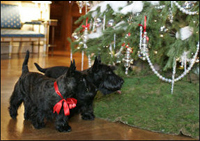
x,y
25,63
39,68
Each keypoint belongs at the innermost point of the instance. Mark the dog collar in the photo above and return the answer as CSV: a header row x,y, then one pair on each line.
x,y
68,103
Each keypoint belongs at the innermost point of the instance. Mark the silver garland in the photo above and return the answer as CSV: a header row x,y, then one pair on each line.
x,y
173,80
127,60
184,10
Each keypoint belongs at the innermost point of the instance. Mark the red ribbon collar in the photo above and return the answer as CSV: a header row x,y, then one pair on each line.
x,y
68,103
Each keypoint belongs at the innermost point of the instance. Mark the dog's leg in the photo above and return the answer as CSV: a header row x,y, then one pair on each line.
x,y
87,112
61,123
37,118
27,109
15,101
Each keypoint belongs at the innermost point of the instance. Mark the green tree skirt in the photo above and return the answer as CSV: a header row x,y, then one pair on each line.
x,y
147,103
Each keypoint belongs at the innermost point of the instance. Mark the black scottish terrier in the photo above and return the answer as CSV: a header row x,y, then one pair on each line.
x,y
49,98
101,75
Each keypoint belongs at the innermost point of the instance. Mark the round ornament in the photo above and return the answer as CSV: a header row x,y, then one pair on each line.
x,y
75,36
110,23
99,22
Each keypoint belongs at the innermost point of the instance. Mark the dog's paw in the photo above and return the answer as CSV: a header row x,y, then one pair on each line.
x,y
39,125
26,117
65,128
13,112
13,116
88,116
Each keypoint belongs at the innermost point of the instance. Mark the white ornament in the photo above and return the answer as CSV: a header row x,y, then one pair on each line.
x,y
185,33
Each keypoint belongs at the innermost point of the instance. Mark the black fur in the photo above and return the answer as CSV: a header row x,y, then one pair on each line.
x,y
37,93
101,75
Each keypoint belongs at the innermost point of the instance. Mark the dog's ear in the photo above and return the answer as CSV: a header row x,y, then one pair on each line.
x,y
99,58
95,66
73,65
71,69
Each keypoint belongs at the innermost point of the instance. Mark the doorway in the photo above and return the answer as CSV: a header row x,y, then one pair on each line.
x,y
66,12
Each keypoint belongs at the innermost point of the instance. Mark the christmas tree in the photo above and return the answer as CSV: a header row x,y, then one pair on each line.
x,y
165,33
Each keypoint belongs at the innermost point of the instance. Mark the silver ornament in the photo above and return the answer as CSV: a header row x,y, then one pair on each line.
x,y
80,5
163,29
127,59
87,3
84,37
98,22
141,55
188,4
75,36
110,23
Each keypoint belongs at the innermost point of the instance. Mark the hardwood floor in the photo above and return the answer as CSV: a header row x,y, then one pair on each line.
x,y
98,129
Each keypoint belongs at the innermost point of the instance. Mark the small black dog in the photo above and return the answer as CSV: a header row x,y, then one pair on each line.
x,y
101,75
49,98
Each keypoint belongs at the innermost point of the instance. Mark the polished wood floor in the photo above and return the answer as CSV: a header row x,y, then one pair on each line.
x,y
99,129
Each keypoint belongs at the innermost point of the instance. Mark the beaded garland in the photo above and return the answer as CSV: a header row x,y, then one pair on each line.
x,y
179,7
184,10
144,44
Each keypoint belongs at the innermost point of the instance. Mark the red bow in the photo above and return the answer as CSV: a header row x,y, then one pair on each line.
x,y
69,103
86,25
144,27
127,46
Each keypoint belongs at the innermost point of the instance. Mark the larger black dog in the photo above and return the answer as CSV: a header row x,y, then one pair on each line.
x,y
101,75
48,98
